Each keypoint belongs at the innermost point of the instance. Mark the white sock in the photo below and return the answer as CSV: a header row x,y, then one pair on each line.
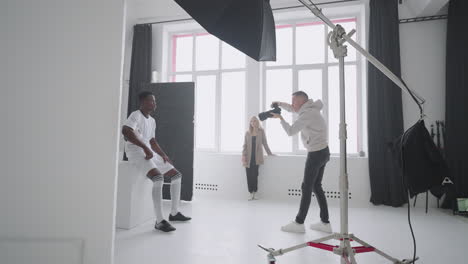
x,y
157,200
175,195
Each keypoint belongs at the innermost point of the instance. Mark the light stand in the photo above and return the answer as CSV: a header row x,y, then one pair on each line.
x,y
347,253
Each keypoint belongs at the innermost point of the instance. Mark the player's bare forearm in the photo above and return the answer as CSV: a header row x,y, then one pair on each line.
x,y
156,148
130,135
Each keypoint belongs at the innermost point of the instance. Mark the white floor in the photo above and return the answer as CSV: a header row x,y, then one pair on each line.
x,y
227,232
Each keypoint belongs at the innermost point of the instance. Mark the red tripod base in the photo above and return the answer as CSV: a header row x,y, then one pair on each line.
x,y
344,250
357,250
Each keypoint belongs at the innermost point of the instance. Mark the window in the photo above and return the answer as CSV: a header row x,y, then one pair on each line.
x,y
230,87
205,111
279,83
305,62
219,73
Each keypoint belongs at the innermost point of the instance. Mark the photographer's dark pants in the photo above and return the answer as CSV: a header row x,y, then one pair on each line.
x,y
313,175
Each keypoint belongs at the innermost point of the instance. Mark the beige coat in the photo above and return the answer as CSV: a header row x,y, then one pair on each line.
x,y
261,142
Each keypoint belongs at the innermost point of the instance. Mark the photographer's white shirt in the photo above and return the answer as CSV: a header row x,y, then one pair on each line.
x,y
311,124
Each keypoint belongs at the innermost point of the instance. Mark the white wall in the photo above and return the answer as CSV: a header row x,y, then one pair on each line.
x,y
221,176
423,51
130,21
61,89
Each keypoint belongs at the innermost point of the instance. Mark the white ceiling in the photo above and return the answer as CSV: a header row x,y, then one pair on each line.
x,y
421,8
169,9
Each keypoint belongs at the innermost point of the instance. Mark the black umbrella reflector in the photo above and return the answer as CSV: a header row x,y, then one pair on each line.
x,y
422,164
247,25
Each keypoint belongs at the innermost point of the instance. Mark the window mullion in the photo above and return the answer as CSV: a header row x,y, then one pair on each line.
x,y
219,98
325,87
218,112
171,62
256,84
295,82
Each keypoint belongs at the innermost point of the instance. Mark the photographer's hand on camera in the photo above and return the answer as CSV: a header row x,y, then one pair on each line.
x,y
277,116
277,103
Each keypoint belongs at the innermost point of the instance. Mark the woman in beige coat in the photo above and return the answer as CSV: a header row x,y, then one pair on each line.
x,y
252,154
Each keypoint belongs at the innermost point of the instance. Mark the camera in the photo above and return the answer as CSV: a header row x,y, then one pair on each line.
x,y
264,115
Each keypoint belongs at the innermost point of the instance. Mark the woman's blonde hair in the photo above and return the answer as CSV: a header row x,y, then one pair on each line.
x,y
250,124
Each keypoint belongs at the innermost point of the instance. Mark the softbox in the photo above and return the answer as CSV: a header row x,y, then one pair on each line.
x,y
247,25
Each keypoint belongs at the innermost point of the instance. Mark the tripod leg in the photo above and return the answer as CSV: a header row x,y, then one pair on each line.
x,y
350,252
345,260
427,199
415,197
353,259
381,253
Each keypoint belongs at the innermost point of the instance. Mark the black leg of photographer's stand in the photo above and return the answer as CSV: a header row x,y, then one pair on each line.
x,y
427,200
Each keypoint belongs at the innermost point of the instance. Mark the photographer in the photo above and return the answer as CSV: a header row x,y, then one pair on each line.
x,y
314,135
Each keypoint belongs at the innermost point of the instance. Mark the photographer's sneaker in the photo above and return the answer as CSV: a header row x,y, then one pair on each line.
x,y
322,227
293,227
251,196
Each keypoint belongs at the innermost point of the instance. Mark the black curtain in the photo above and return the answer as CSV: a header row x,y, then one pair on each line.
x,y
385,114
140,69
456,106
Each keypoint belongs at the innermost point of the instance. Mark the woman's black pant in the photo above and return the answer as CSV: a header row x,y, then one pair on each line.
x,y
252,176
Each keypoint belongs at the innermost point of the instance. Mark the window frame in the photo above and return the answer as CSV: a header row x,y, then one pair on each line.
x,y
253,68
324,67
171,73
